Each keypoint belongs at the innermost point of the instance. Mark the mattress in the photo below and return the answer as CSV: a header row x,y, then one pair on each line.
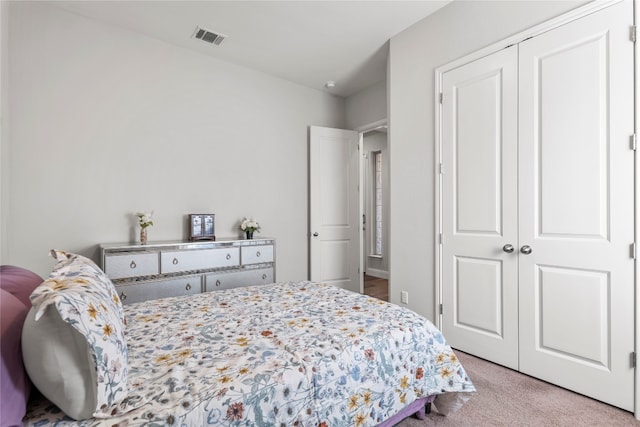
x,y
291,354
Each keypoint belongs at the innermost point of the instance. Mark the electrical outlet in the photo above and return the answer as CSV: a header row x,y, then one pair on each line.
x,y
404,297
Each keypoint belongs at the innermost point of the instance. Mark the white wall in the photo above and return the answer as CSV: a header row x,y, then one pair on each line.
x,y
367,106
454,31
106,122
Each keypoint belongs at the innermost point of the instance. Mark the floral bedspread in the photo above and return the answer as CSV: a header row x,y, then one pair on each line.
x,y
287,354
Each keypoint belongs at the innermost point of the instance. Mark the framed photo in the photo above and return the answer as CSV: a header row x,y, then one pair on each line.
x,y
202,227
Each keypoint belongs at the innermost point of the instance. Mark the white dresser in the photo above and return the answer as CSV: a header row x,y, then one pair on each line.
x,y
166,269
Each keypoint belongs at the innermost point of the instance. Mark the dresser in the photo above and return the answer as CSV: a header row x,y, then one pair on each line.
x,y
166,269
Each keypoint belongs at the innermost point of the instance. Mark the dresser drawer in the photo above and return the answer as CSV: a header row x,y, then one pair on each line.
x,y
118,266
235,279
143,291
176,261
256,254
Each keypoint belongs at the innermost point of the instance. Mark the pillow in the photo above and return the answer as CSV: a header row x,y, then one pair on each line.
x,y
14,382
80,271
73,340
19,281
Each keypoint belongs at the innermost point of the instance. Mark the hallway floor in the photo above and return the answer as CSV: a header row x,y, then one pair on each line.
x,y
376,287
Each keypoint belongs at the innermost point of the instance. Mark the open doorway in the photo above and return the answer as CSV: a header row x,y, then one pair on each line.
x,y
374,169
353,226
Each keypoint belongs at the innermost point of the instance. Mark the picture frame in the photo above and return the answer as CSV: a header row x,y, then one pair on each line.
x,y
202,227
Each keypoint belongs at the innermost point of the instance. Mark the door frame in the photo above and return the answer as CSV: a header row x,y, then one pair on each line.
x,y
636,239
517,38
378,124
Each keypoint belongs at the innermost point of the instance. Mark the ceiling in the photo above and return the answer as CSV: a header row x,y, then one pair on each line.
x,y
306,42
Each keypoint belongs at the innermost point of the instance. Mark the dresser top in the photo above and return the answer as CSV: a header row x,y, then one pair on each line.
x,y
182,244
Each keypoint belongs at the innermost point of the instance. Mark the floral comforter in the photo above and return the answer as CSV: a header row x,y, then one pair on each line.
x,y
290,354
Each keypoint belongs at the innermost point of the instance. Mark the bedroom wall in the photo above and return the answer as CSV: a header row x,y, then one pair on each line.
x,y
106,122
460,28
367,106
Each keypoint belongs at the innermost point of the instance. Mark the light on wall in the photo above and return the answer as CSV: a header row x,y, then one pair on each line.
x,y
330,84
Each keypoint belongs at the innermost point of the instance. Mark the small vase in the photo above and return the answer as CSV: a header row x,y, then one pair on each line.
x,y
143,236
249,234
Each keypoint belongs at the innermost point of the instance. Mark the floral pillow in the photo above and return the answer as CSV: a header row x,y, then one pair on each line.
x,y
77,316
79,272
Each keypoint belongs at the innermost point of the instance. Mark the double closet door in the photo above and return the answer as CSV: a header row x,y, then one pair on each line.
x,y
538,206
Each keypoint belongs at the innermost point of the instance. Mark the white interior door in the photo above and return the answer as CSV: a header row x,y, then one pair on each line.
x,y
335,208
479,202
577,206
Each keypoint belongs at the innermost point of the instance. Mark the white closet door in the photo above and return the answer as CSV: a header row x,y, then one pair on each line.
x,y
576,206
479,202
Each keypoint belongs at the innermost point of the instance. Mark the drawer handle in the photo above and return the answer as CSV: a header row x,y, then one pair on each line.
x,y
264,276
133,264
258,253
123,296
218,283
228,256
175,261
188,287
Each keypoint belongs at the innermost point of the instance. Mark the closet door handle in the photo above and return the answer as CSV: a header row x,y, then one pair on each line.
x,y
188,287
123,296
175,261
218,283
508,248
133,264
526,249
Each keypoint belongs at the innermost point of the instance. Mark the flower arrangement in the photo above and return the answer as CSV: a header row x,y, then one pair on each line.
x,y
144,219
249,226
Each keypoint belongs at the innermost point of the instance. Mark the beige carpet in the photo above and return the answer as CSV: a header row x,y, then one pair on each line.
x,y
508,398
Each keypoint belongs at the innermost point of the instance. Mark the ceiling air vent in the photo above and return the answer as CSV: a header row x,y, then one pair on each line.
x,y
208,36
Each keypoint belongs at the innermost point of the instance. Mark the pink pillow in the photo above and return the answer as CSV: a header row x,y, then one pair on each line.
x,y
19,281
14,382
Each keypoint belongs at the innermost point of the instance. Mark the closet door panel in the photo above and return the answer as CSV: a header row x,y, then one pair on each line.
x,y
585,332
479,207
478,145
572,142
576,172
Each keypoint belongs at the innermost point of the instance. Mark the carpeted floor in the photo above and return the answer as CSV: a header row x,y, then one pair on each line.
x,y
508,398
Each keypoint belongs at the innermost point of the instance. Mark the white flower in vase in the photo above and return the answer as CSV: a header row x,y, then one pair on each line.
x,y
144,219
249,226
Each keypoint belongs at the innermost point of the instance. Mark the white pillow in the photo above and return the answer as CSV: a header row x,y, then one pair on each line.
x,y
73,341
58,361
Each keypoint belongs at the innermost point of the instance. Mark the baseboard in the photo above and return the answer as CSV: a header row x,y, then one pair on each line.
x,y
381,274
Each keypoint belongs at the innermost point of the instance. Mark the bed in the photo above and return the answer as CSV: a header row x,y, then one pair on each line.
x,y
290,354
